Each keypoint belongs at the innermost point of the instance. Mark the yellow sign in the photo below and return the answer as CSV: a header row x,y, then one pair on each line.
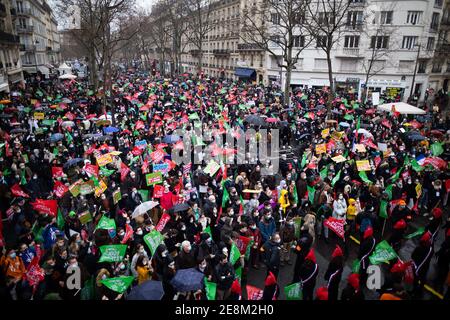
x,y
104,160
100,189
338,159
33,101
321,148
360,147
337,135
115,153
363,165
39,115
325,132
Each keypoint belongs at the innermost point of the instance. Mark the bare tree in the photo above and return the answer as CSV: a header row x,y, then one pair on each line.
x,y
159,30
199,24
326,22
276,26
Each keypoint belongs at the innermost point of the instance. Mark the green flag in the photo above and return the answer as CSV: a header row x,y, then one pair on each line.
x,y
211,289
144,194
324,172
383,209
303,163
416,166
293,291
225,197
37,233
418,232
153,239
363,176
118,284
238,273
106,172
358,124
396,175
60,220
88,291
311,192
69,138
194,116
389,191
295,195
94,178
235,254
208,231
297,226
247,251
383,252
112,252
22,177
437,149
355,266
336,179
106,223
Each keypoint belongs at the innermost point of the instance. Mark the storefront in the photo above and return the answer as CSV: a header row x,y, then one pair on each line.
x,y
392,88
348,86
248,74
299,83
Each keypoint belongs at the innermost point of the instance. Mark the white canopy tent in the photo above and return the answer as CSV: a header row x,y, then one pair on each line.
x,y
64,69
67,76
401,107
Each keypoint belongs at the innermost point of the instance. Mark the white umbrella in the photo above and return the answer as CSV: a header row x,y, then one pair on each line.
x,y
401,107
67,76
143,208
68,124
365,133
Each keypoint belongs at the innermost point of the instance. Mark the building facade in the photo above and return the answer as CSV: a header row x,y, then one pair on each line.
x,y
10,64
39,38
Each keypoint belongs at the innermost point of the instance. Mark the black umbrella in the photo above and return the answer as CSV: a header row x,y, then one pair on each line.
x,y
180,207
18,131
5,115
149,290
72,162
188,280
304,135
255,120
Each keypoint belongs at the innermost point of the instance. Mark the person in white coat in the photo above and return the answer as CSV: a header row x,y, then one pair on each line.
x,y
339,207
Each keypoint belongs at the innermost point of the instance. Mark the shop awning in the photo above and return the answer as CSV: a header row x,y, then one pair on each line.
x,y
244,72
44,70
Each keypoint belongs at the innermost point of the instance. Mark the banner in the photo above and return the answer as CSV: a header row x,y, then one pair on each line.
x,y
336,225
162,222
59,189
39,115
363,165
85,217
325,133
153,178
87,188
112,253
46,206
104,160
101,188
144,194
57,172
106,223
35,273
418,232
321,148
211,168
119,284
158,191
383,209
161,167
117,196
339,159
91,169
293,291
128,233
211,289
157,156
187,168
153,239
17,191
254,293
360,147
383,253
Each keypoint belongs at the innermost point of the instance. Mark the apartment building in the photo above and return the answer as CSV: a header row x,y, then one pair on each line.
x,y
10,64
39,39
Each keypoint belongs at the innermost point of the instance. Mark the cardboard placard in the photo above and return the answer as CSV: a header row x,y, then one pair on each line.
x,y
153,178
363,165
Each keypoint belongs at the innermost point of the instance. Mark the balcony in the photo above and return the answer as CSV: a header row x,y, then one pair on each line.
x,y
436,69
248,47
194,52
49,48
221,52
358,26
2,10
27,47
348,53
23,12
355,3
24,29
8,38
443,48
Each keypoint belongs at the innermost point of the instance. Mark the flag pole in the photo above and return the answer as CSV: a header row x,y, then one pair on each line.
x,y
384,225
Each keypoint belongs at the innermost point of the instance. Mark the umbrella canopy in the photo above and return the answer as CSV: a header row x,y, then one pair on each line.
x,y
143,208
365,133
344,124
171,138
401,107
180,207
102,138
73,162
67,76
66,100
149,290
18,131
56,137
187,280
415,136
110,129
5,115
68,124
255,120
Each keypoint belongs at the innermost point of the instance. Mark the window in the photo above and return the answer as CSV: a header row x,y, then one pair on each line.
x,y
422,67
378,65
430,43
409,42
405,65
386,17
438,3
326,18
351,41
348,65
299,41
379,42
299,64
321,42
356,1
434,21
299,18
354,18
320,64
437,67
413,17
275,17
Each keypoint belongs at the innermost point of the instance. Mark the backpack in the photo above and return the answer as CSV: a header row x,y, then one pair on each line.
x,y
365,223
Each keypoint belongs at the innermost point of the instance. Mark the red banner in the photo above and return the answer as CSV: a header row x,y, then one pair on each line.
x,y
59,189
46,206
91,169
128,233
35,273
124,170
336,225
242,243
18,192
57,172
158,191
162,222
254,293
157,156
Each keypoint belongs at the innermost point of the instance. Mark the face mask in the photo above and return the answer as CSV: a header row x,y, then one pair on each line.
x,y
34,177
341,197
291,223
183,228
268,217
13,255
139,232
122,267
141,250
121,234
253,227
256,214
104,277
74,265
164,254
277,241
144,263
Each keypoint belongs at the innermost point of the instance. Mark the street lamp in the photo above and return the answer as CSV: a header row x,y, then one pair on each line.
x,y
415,71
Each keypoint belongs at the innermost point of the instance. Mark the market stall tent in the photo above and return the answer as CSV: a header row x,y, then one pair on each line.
x,y
64,69
400,107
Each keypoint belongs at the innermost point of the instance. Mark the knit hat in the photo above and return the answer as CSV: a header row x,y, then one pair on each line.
x,y
402,203
337,252
398,267
270,280
322,293
311,256
426,238
368,233
437,212
401,224
353,280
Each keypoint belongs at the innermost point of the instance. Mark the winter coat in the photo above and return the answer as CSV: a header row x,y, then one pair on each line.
x,y
224,276
267,229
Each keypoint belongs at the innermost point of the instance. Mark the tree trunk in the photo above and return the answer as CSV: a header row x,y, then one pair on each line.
x,y
287,85
330,78
93,75
364,93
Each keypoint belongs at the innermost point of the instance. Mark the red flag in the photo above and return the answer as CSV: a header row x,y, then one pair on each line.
x,y
124,170
137,151
336,225
91,149
91,169
139,125
157,156
57,172
162,222
59,189
254,293
35,273
377,161
242,243
46,206
158,191
144,166
128,233
18,192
